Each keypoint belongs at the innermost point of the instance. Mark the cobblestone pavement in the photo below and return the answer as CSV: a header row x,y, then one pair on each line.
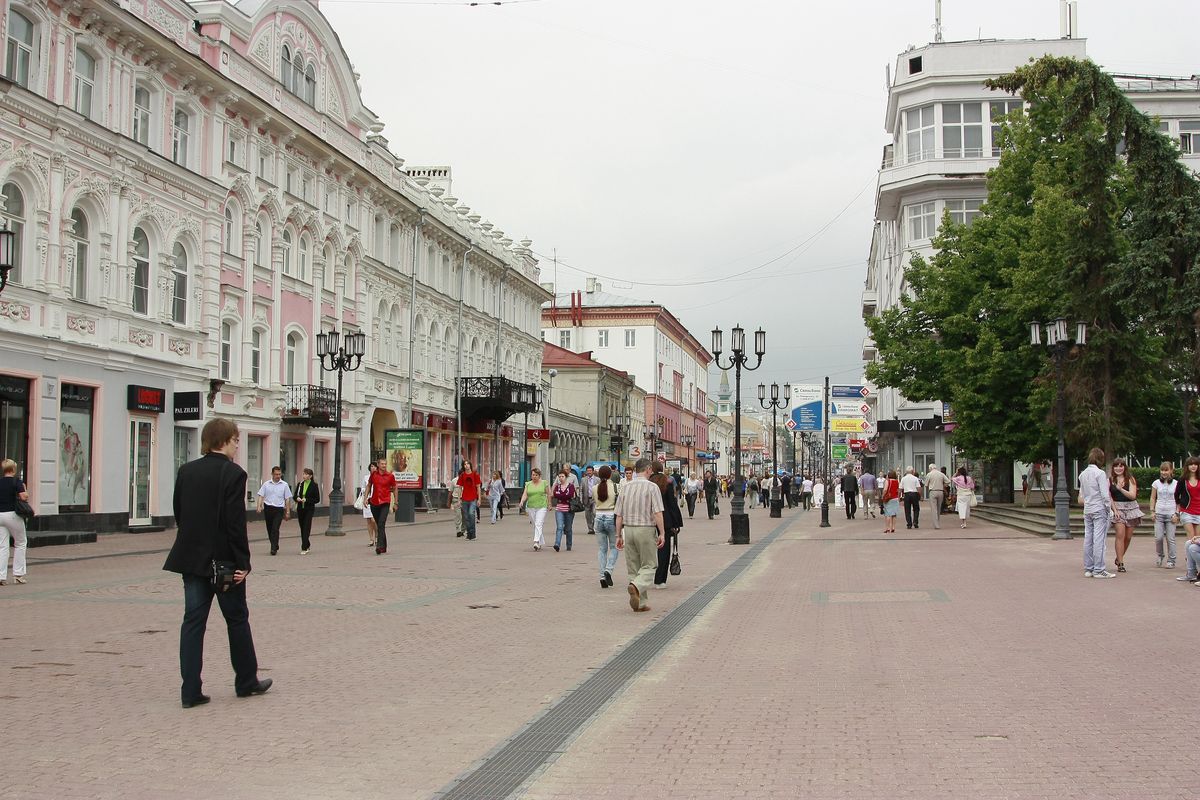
x,y
840,664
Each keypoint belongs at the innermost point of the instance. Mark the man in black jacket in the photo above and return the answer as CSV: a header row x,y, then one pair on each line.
x,y
850,492
210,519
307,497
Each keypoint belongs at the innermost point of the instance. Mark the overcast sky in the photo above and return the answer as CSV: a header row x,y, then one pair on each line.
x,y
687,143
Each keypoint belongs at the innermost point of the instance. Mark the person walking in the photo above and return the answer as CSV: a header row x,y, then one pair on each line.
x,y
889,501
910,489
1127,512
691,491
307,497
12,524
1098,505
640,521
383,500
456,507
752,492
850,492
806,493
588,487
1166,512
866,489
564,517
275,504
711,489
936,484
210,518
471,483
534,501
672,522
606,525
495,493
964,490
818,493
1187,498
365,491
785,486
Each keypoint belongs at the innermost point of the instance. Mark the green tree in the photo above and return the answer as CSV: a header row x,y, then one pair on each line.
x,y
1089,216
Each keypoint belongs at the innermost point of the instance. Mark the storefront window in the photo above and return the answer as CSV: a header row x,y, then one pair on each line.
x,y
289,459
183,446
75,448
14,421
254,466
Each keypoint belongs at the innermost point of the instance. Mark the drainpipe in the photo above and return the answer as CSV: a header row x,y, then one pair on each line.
x,y
412,316
501,461
462,283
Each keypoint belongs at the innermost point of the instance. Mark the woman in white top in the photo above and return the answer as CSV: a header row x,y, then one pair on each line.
x,y
366,495
964,490
495,492
691,488
1166,513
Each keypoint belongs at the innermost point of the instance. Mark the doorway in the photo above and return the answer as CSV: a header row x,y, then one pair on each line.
x,y
141,450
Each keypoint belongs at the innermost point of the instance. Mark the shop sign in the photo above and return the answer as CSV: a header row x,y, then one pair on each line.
x,y
405,453
147,398
537,435
187,406
909,425
15,390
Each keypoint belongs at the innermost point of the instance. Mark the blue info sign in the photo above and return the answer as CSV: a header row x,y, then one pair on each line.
x,y
808,407
842,390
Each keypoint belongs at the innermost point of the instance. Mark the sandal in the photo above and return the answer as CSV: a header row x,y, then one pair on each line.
x,y
1121,566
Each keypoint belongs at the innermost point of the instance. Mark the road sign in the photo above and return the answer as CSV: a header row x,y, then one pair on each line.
x,y
849,408
843,390
839,452
635,451
790,424
537,435
850,425
808,407
872,447
662,457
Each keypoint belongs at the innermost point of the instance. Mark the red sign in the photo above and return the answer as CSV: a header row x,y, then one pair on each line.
x,y
146,398
537,435
857,444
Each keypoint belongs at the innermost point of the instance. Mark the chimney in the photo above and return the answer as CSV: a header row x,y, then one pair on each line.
x,y
1068,19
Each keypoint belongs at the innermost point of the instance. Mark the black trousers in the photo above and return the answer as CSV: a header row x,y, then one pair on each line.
x,y
273,515
805,498
380,513
305,515
197,602
664,556
712,504
691,501
912,509
851,501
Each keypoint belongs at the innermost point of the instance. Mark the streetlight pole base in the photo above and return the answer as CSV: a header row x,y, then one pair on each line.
x,y
739,528
824,515
336,502
776,507
1062,514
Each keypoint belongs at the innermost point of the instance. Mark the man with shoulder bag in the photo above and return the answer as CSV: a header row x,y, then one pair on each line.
x,y
212,553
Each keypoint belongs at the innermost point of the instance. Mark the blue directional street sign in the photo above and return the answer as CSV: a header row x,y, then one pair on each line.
x,y
842,390
808,408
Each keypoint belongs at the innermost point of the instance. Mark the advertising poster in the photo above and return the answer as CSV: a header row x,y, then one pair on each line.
x,y
405,452
808,407
75,448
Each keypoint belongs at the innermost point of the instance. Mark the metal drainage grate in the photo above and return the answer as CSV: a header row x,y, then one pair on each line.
x,y
503,771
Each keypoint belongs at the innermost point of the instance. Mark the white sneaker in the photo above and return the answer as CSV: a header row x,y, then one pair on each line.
x,y
1103,574
1087,573
1186,578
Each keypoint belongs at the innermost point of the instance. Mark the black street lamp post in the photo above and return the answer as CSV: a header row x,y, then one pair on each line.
x,y
739,359
1187,391
688,440
654,433
342,356
8,241
775,403
618,427
1059,342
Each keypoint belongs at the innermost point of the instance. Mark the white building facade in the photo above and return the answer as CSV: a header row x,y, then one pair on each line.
x,y
198,190
944,123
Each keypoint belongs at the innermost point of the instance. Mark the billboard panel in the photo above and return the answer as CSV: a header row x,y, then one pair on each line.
x,y
808,407
405,452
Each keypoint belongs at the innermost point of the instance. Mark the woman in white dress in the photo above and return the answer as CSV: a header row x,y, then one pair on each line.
x,y
964,491
366,512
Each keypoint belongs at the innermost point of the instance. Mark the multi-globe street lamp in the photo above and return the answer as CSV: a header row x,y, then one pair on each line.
x,y
340,354
688,440
1059,342
1187,392
618,431
654,434
739,359
775,403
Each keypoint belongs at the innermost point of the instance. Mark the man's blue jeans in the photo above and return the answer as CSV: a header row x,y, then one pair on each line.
x,y
468,512
1095,535
565,520
606,539
197,602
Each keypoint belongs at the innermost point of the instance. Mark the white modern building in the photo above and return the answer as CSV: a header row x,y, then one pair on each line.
x,y
197,190
943,123
649,343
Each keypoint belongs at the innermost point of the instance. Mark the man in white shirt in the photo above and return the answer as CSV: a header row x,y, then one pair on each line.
x,y
806,493
936,484
691,490
818,493
275,503
910,490
587,491
1097,503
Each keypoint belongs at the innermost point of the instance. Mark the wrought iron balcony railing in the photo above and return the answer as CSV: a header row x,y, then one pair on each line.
x,y
495,398
313,406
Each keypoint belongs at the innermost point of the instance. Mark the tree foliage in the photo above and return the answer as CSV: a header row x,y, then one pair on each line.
x,y
1090,216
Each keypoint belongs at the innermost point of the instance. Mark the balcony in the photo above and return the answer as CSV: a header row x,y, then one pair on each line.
x,y
496,399
870,300
868,349
313,406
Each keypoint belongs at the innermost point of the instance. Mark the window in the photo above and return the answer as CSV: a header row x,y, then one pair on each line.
x,y
602,337
1189,136
962,130
290,180
297,74
19,55
141,115
630,337
306,188
286,249
259,244
996,113
310,85
14,219
914,65
964,212
230,230
181,138
302,265
292,363
921,221
285,68
564,340
256,339
918,131
85,81
264,163
226,349
232,156
79,235
179,272
141,272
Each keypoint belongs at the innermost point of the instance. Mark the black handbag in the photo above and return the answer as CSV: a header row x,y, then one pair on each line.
x,y
25,511
222,575
675,566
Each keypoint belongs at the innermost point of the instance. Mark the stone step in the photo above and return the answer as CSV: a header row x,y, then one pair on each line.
x,y
49,538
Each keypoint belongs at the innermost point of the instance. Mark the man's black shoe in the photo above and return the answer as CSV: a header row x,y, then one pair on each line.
x,y
261,688
198,700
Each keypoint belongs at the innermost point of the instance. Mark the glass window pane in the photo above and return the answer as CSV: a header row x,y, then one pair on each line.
x,y
951,112
973,140
972,112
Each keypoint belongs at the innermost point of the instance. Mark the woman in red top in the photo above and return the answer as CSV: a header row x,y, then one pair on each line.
x,y
890,497
382,486
1189,515
470,482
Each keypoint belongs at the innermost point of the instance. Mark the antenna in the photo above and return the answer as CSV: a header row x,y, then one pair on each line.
x,y
1068,19
937,20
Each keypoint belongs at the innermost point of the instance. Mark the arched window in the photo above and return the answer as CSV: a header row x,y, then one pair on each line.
x,y
181,138
226,350
260,243
85,81
256,342
310,85
18,62
79,235
286,248
230,229
293,360
141,272
379,247
14,218
141,115
179,304
298,74
285,68
302,265
394,242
